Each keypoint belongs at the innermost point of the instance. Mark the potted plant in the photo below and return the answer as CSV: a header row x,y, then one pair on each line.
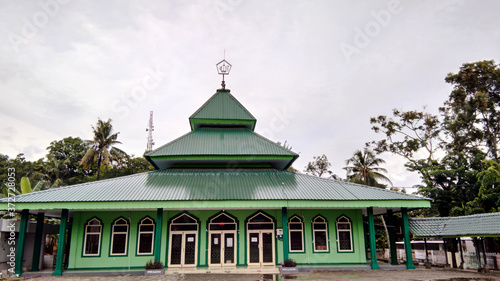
x,y
154,268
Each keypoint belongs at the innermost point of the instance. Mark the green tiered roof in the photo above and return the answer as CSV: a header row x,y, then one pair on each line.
x,y
208,145
222,109
222,137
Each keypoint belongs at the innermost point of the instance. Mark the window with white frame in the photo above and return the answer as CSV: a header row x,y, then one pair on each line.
x,y
92,243
344,234
146,236
320,234
119,237
296,234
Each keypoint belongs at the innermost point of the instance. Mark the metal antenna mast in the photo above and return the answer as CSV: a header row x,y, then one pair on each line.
x,y
150,132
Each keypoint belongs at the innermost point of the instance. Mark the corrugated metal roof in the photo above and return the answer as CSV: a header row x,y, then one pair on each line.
x,y
223,105
221,141
173,185
473,225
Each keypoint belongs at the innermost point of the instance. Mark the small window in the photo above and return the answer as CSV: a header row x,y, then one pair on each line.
x,y
146,237
320,234
92,243
344,234
296,234
119,237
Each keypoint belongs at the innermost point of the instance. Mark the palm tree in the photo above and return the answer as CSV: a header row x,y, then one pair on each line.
x,y
101,149
363,167
365,170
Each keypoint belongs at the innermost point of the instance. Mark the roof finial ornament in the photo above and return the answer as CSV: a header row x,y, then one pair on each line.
x,y
223,68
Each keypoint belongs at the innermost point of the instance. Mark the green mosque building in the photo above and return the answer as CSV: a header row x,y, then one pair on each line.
x,y
220,197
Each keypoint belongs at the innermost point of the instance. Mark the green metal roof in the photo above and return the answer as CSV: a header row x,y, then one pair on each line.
x,y
465,226
222,109
207,185
224,145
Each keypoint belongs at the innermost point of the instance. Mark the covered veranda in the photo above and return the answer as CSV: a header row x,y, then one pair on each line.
x,y
476,226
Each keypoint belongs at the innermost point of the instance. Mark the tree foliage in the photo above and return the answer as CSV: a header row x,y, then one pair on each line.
x,y
453,151
101,151
320,167
472,112
364,168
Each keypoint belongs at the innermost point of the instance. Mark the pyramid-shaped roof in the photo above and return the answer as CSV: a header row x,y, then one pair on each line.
x,y
222,109
222,135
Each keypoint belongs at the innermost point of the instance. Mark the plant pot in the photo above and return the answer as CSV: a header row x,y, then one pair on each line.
x,y
159,271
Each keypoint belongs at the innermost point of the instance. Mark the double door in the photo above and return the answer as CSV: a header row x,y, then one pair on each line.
x,y
222,248
183,245
260,247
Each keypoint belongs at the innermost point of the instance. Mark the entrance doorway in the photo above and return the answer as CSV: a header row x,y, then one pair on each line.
x,y
260,237
183,241
223,243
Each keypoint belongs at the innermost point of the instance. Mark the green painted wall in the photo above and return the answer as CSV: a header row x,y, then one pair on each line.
x,y
104,260
333,256
77,261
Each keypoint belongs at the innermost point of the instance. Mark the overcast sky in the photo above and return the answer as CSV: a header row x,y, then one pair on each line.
x,y
311,72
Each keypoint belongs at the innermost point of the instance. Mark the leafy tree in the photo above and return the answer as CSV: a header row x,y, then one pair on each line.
x,y
452,182
130,165
472,112
71,151
319,167
488,196
364,168
101,151
413,135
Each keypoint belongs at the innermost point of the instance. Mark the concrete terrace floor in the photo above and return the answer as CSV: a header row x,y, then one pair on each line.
x,y
418,274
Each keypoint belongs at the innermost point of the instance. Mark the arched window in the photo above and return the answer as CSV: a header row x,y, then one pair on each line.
x,y
92,243
119,237
146,236
320,234
296,234
344,234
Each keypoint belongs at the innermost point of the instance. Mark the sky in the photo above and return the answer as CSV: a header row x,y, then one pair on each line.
x,y
311,72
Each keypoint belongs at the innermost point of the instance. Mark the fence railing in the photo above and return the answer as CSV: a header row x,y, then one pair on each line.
x,y
438,258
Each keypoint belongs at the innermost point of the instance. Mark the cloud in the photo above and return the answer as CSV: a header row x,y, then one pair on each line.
x,y
90,56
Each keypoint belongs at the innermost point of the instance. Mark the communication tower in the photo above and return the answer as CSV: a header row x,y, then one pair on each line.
x,y
150,130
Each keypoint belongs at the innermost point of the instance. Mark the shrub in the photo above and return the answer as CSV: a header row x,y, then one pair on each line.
x,y
154,265
289,263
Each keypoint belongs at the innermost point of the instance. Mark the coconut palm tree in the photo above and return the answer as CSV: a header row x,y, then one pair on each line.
x,y
363,168
101,151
